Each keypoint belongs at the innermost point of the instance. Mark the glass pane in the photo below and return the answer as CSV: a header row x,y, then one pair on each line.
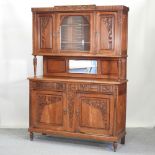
x,y
75,33
83,66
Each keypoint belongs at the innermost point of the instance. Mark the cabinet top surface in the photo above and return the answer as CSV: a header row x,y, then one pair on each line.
x,y
80,8
68,79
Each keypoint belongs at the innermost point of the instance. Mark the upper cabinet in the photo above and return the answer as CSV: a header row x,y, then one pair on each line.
x,y
95,31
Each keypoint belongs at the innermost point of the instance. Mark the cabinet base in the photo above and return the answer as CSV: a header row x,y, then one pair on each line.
x,y
112,139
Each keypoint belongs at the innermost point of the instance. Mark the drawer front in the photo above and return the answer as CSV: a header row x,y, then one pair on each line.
x,y
55,86
78,87
99,88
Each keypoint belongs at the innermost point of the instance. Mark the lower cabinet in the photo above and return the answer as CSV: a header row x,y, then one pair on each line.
x,y
79,110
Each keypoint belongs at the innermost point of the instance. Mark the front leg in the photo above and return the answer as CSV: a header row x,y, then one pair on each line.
x,y
114,146
123,140
31,136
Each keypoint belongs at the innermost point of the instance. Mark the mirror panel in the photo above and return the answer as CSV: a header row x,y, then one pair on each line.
x,y
83,66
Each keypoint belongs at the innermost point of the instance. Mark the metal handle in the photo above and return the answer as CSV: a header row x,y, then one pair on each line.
x,y
65,111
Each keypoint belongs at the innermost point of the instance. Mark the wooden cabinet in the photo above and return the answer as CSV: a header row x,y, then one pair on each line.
x,y
97,32
82,93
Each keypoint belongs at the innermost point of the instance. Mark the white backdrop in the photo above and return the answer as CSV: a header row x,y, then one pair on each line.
x,y
16,59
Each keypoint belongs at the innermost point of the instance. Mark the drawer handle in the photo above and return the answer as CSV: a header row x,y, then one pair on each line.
x,y
65,111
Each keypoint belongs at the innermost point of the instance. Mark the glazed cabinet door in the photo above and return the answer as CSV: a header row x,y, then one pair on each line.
x,y
43,33
95,113
75,33
106,33
47,110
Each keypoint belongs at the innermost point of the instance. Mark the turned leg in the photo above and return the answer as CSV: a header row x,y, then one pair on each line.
x,y
35,65
123,140
31,136
114,146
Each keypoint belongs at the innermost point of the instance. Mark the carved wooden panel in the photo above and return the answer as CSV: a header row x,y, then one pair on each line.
x,y
45,32
95,113
96,108
55,86
107,32
91,88
48,109
74,7
71,105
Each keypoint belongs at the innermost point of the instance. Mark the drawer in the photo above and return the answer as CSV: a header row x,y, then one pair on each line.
x,y
99,88
55,86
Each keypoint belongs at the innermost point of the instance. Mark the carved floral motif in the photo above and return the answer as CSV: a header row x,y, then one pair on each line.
x,y
71,103
74,7
91,88
48,99
108,21
45,30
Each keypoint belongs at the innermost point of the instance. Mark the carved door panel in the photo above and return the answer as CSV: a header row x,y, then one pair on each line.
x,y
106,33
48,110
43,34
95,113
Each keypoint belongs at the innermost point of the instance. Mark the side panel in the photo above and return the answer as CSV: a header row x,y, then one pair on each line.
x,y
121,109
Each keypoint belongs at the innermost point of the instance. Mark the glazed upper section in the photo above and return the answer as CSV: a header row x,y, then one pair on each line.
x,y
80,31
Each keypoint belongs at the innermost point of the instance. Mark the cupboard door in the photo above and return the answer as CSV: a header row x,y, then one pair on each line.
x,y
74,32
95,113
48,110
43,34
106,33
